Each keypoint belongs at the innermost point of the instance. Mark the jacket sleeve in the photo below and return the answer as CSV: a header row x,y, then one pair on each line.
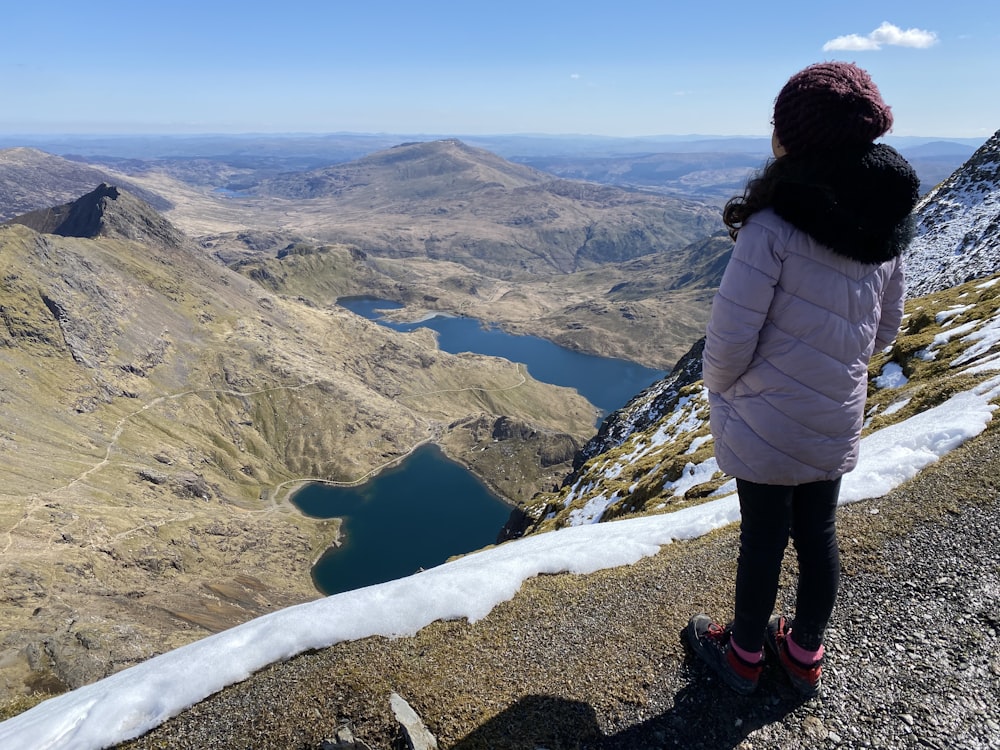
x,y
892,307
740,307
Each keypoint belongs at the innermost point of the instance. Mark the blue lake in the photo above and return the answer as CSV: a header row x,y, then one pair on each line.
x,y
605,382
414,515
429,508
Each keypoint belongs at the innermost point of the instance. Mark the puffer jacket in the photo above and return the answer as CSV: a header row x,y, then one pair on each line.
x,y
795,322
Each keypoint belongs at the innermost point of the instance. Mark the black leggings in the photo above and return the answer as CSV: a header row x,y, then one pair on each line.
x,y
770,513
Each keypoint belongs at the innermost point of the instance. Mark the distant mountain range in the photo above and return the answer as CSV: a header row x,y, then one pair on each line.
x,y
440,200
703,167
339,147
717,175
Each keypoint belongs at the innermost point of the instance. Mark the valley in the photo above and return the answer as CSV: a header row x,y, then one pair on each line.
x,y
442,227
158,408
172,372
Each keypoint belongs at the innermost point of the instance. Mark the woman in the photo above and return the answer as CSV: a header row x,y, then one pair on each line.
x,y
813,288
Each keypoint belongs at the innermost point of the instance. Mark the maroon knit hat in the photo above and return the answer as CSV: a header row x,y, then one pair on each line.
x,y
829,105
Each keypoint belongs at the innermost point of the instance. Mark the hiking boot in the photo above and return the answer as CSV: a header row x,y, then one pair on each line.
x,y
805,678
710,642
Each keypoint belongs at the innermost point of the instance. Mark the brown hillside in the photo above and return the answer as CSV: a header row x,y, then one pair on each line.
x,y
447,201
31,179
156,409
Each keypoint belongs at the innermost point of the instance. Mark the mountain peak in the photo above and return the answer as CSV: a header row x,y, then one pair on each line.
x,y
106,211
441,170
22,155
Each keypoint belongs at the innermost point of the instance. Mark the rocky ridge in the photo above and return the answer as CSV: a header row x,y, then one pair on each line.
x,y
106,211
958,225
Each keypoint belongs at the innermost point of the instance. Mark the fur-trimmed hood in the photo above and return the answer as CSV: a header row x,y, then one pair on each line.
x,y
857,201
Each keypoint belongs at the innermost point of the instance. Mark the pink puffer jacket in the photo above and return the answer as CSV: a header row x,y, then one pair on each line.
x,y
786,353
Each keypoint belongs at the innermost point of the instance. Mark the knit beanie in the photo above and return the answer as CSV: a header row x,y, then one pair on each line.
x,y
829,105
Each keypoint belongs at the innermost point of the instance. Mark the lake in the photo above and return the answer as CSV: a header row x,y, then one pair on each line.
x,y
429,508
414,515
605,382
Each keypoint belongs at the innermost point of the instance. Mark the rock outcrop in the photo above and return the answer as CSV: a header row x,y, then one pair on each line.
x,y
958,226
106,211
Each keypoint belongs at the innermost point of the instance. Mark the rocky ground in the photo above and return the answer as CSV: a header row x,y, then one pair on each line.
x,y
588,662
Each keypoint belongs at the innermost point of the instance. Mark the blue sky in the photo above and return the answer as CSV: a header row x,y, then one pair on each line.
x,y
438,67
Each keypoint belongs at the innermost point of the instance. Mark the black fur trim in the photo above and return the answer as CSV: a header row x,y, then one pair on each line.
x,y
857,202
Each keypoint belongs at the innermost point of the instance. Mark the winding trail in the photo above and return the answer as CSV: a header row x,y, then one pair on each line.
x,y
35,501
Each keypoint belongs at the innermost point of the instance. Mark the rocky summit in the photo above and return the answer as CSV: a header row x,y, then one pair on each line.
x,y
107,211
958,225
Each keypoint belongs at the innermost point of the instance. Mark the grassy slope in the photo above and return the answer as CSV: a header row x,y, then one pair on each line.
x,y
155,413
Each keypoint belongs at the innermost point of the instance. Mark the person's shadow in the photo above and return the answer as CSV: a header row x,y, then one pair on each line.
x,y
705,716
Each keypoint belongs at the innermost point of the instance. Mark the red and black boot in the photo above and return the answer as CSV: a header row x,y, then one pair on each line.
x,y
711,643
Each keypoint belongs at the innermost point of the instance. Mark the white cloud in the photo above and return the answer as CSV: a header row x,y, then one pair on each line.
x,y
851,42
886,34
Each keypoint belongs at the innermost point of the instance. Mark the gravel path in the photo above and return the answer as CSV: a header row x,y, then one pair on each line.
x,y
595,662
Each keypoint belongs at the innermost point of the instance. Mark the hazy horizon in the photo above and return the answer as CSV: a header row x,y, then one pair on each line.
x,y
630,70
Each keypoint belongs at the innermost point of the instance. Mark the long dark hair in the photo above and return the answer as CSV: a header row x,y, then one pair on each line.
x,y
855,200
804,174
758,194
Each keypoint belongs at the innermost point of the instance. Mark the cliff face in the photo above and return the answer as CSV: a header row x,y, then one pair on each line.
x,y
107,211
958,226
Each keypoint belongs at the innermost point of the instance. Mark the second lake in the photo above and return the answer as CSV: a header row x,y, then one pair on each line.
x,y
605,382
